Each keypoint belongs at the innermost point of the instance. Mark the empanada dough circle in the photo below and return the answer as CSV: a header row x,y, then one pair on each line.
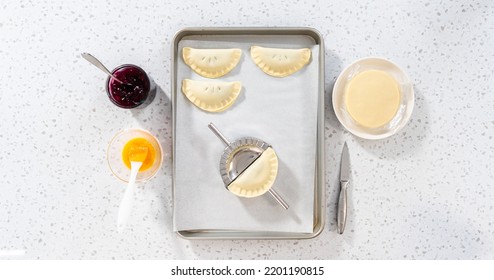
x,y
211,96
280,62
258,177
372,98
211,63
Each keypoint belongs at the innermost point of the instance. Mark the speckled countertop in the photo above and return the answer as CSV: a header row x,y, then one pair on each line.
x,y
425,193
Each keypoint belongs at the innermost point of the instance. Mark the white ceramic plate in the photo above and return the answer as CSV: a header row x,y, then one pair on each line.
x,y
406,104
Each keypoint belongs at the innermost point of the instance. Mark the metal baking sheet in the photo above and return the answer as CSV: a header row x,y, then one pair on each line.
x,y
319,191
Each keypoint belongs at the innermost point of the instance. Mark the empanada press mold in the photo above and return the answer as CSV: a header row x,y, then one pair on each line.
x,y
248,167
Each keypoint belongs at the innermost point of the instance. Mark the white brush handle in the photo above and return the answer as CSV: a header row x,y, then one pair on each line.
x,y
128,198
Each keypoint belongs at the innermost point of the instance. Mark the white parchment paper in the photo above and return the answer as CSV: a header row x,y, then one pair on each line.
x,y
280,111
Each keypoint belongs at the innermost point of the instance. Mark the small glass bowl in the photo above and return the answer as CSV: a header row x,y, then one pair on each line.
x,y
114,154
406,103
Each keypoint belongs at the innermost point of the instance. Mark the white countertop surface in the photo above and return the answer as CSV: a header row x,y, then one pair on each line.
x,y
425,193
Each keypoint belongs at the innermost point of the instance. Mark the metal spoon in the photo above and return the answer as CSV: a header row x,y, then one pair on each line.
x,y
97,63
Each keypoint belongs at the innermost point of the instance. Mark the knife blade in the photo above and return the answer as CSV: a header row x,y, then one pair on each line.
x,y
344,180
345,165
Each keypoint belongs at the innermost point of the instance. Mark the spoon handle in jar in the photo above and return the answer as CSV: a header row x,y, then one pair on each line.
x,y
97,63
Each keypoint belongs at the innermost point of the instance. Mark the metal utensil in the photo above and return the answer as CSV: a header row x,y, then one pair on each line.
x,y
344,180
238,156
97,63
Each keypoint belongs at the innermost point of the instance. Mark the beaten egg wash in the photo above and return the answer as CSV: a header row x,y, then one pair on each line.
x,y
136,143
372,98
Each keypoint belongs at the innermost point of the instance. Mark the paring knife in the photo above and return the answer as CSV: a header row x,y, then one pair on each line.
x,y
344,180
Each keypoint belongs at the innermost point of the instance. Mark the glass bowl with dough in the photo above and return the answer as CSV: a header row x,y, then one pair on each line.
x,y
373,98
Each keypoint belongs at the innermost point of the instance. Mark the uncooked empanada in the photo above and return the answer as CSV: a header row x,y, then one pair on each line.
x,y
211,96
258,177
280,62
211,63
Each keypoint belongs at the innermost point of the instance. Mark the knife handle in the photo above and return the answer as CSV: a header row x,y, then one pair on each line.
x,y
342,206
